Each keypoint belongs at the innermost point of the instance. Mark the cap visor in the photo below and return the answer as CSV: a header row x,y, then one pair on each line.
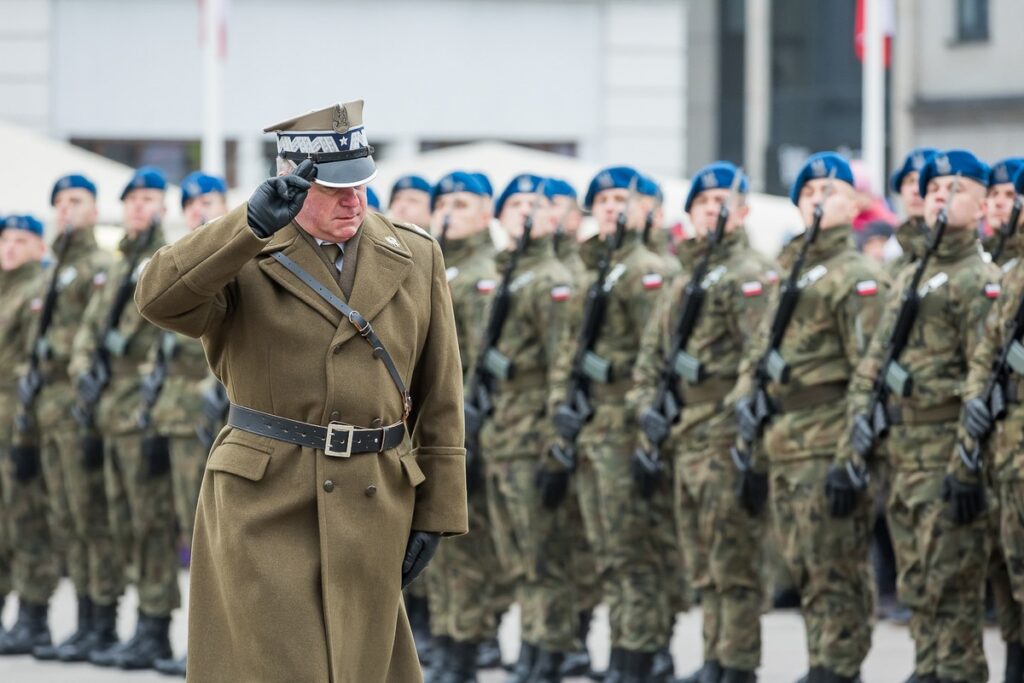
x,y
350,173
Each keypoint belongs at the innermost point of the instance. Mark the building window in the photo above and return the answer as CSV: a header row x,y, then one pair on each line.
x,y
971,21
176,158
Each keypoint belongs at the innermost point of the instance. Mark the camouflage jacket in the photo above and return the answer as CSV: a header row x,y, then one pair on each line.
x,y
736,287
534,332
956,291
841,298
569,254
913,238
19,316
129,347
179,407
472,278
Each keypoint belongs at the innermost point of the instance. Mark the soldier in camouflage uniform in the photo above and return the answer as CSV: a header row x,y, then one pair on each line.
x,y
33,561
721,538
533,542
410,201
841,294
459,580
138,489
941,565
998,207
623,528
912,233
1003,461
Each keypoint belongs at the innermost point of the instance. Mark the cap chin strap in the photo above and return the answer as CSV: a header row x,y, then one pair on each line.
x,y
328,157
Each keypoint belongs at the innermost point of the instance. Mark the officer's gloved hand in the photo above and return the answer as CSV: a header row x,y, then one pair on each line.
x,y
418,552
747,419
278,200
552,481
977,419
862,436
843,489
568,422
654,425
752,491
966,499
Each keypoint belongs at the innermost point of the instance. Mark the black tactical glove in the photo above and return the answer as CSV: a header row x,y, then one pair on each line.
x,y
862,436
654,426
278,200
90,388
647,472
752,491
553,484
746,419
966,500
28,387
977,419
474,471
843,487
215,403
26,462
156,454
418,552
568,423
92,452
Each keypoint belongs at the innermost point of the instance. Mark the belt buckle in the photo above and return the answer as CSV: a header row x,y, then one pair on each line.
x,y
332,428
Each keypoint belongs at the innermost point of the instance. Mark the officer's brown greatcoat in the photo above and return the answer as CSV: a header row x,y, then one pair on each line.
x,y
296,572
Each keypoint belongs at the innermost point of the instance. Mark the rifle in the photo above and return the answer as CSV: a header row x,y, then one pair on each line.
x,y
772,366
153,381
492,365
893,378
31,382
94,381
678,364
587,366
1007,229
442,240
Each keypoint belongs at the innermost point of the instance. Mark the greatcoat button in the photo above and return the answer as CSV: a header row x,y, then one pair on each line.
x,y
371,491
335,416
328,486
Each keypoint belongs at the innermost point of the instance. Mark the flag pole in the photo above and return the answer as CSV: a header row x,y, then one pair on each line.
x,y
873,94
212,148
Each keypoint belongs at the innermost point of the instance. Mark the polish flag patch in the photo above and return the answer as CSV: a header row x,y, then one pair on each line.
x,y
752,288
561,293
652,281
773,276
992,290
867,288
486,286
99,279
36,305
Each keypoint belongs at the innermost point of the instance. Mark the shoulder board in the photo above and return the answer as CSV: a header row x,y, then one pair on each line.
x,y
813,275
992,290
934,283
617,272
561,293
652,281
413,228
752,288
1010,265
712,278
867,288
521,281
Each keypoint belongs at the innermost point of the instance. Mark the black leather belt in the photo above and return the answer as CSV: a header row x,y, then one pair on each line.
x,y
337,440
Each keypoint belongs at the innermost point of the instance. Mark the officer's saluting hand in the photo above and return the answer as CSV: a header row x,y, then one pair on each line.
x,y
278,200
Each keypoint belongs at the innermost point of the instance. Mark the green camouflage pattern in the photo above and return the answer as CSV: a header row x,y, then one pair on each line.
x,y
1011,535
912,235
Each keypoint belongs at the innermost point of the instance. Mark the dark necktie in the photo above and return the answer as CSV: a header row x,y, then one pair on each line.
x,y
335,254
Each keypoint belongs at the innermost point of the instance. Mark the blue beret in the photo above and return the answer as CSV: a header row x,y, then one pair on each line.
x,y
716,175
649,187
410,182
556,187
198,183
26,222
145,178
1018,181
915,161
485,183
372,200
820,165
70,181
610,178
952,162
456,181
1005,171
522,183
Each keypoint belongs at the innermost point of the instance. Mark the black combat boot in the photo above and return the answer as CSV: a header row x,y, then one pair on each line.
x,y
101,635
152,643
738,676
616,662
171,667
462,663
813,675
29,631
922,678
488,655
1014,663
663,669
441,659
524,665
107,656
49,652
578,663
711,672
830,676
636,666
548,667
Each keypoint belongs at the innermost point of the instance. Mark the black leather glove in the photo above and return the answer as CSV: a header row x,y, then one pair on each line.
x,y
26,462
966,500
92,452
752,491
568,422
862,436
746,419
553,484
647,472
278,200
654,425
156,453
977,419
418,552
28,387
90,388
843,489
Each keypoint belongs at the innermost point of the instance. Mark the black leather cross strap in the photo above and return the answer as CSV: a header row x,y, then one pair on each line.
x,y
336,439
328,157
361,324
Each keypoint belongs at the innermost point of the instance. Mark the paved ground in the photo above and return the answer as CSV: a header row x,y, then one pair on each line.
x,y
784,658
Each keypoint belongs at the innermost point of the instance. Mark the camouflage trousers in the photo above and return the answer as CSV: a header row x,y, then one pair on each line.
x,y
34,561
828,558
534,547
941,576
585,578
6,581
1009,610
724,551
627,533
460,583
142,517
188,462
1011,535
